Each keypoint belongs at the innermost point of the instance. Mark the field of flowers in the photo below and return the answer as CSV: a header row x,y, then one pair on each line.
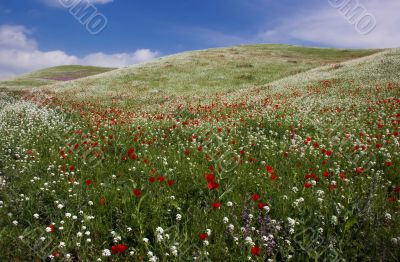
x,y
306,168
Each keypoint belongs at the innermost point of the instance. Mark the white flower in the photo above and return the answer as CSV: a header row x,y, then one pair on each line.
x,y
231,227
61,245
68,215
334,220
388,216
208,231
79,234
225,220
229,204
15,222
60,206
291,221
48,229
36,216
178,217
249,241
145,240
206,243
266,208
90,203
160,230
106,253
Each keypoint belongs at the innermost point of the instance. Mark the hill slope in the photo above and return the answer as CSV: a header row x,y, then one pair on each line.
x,y
53,75
205,72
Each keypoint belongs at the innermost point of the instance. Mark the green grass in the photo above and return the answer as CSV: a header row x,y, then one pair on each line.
x,y
319,148
204,72
52,75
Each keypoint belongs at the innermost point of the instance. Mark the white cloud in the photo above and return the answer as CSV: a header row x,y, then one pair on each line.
x,y
20,54
118,60
61,3
329,26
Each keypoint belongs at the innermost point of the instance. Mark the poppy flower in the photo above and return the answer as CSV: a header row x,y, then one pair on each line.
x,y
325,174
397,189
255,251
342,176
215,205
255,197
269,169
260,205
170,182
307,185
120,248
152,179
203,236
209,177
102,201
88,182
359,170
332,187
160,179
212,185
71,168
388,163
136,192
392,199
199,148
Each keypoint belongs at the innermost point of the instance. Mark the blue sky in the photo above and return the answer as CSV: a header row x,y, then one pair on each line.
x,y
39,33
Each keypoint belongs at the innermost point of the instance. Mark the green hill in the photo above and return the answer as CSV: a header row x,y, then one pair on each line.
x,y
204,72
53,75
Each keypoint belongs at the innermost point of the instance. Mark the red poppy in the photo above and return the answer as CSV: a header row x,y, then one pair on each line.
x,y
307,140
71,168
136,192
325,174
261,205
203,236
397,189
255,197
212,185
255,251
102,201
307,185
315,145
120,248
199,148
342,176
29,152
388,163
170,182
152,179
392,199
209,177
273,177
215,205
88,182
160,179
51,228
332,187
269,169
359,170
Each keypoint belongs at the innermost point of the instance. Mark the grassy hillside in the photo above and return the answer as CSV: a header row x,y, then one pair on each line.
x,y
303,168
205,72
52,75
